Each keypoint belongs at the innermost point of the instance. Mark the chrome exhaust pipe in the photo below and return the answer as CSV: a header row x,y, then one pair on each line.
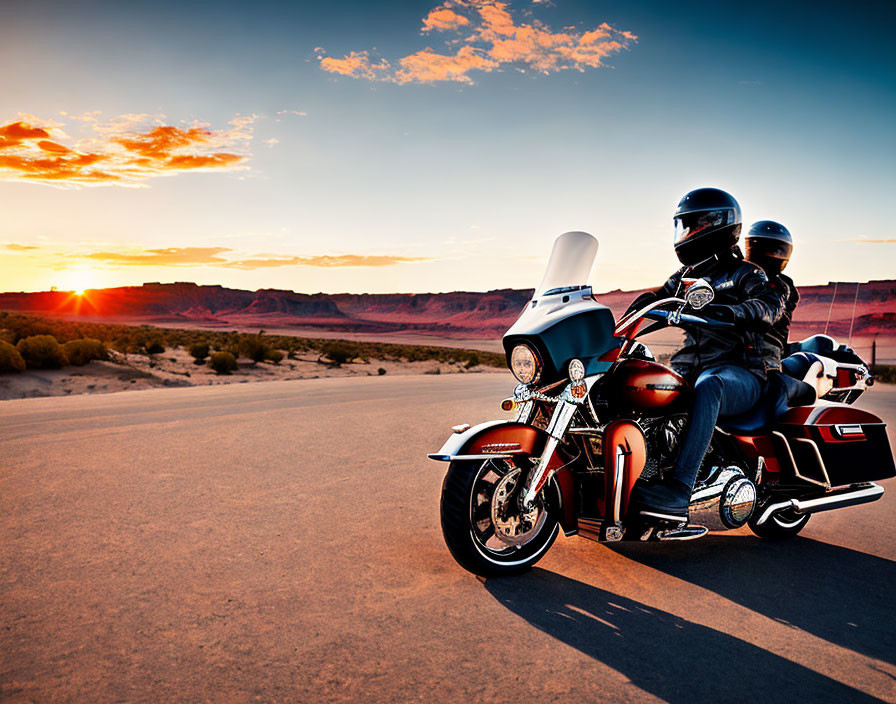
x,y
853,496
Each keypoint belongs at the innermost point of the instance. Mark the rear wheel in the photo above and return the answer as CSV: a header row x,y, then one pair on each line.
x,y
482,524
782,524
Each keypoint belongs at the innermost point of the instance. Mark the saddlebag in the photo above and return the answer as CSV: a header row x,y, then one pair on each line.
x,y
833,445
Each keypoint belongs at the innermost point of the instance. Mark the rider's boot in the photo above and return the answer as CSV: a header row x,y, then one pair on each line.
x,y
667,500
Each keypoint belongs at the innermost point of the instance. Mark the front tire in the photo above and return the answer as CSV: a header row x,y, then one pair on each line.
x,y
468,519
781,525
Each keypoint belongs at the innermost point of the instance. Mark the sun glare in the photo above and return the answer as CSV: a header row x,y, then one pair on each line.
x,y
78,281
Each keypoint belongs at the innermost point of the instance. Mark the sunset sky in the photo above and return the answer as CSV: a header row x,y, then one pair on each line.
x,y
412,146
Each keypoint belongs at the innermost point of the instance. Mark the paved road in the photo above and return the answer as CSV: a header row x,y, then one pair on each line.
x,y
280,542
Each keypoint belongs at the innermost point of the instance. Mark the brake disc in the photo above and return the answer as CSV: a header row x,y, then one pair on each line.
x,y
513,525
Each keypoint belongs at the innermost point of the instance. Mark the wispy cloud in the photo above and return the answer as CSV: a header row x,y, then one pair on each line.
x,y
126,150
325,261
223,257
13,247
866,240
484,36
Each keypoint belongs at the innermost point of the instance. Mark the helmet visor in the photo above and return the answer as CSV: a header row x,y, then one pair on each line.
x,y
762,249
689,225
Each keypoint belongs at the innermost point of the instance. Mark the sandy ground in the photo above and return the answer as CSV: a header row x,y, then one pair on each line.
x,y
175,367
280,542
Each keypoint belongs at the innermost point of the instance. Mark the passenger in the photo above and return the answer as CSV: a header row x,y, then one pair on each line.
x,y
724,363
769,245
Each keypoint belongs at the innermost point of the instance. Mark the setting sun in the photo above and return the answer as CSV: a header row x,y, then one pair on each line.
x,y
78,280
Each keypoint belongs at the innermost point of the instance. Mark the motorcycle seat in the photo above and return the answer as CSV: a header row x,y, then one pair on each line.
x,y
825,346
781,393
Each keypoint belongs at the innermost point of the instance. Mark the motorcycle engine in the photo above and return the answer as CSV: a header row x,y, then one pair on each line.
x,y
725,499
663,437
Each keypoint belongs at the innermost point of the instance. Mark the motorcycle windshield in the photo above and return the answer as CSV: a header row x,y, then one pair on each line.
x,y
570,264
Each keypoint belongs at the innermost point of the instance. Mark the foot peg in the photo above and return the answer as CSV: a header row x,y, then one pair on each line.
x,y
666,528
688,532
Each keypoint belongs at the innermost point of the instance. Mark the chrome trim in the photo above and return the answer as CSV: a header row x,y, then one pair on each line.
x,y
711,501
842,499
617,487
524,414
456,441
772,508
796,469
539,476
824,470
826,503
450,458
646,309
665,516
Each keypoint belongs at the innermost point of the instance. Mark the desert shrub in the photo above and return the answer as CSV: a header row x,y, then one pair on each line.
x,y
380,371
472,360
339,352
152,345
223,362
199,351
252,347
80,352
42,352
274,356
885,373
11,359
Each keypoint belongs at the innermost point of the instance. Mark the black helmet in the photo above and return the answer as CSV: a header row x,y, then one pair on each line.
x,y
769,245
707,222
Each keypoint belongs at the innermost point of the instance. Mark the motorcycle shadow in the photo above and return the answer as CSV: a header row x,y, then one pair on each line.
x,y
670,657
840,595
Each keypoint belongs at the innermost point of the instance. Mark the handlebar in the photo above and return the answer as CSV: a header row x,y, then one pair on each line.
x,y
663,315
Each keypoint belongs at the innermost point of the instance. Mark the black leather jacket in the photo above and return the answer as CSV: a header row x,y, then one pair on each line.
x,y
742,296
774,342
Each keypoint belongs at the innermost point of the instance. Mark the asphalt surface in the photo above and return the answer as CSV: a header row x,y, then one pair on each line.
x,y
280,542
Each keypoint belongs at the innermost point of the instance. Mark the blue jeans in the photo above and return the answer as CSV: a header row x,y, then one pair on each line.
x,y
720,391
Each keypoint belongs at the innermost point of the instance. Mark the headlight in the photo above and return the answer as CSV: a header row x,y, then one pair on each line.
x,y
524,364
699,295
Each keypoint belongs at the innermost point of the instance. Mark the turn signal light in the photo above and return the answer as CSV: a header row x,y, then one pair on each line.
x,y
507,404
579,390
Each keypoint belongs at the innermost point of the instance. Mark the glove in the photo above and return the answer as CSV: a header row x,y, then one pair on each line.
x,y
718,312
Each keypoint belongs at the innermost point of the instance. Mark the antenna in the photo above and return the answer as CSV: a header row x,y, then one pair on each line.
x,y
831,309
853,319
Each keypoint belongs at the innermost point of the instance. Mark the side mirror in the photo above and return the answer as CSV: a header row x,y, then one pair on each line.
x,y
700,294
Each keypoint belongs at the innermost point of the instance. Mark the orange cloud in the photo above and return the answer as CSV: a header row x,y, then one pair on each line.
x,y
223,257
171,256
443,18
11,246
126,150
490,38
327,261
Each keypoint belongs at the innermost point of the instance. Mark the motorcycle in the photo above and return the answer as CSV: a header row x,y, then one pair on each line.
x,y
595,412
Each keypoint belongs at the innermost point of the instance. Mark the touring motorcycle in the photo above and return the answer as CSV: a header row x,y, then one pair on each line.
x,y
595,412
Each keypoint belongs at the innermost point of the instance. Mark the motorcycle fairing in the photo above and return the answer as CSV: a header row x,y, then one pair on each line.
x,y
503,439
560,332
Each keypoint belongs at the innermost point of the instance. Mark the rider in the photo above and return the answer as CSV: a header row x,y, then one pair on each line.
x,y
769,245
724,363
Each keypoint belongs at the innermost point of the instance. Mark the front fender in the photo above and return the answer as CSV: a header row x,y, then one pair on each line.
x,y
502,439
494,438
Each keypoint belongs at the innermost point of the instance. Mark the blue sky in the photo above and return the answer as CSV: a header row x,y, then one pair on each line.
x,y
441,185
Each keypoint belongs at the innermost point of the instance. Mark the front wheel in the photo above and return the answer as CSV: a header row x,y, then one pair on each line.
x,y
782,524
482,525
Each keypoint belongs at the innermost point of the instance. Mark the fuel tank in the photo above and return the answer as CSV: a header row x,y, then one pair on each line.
x,y
645,386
